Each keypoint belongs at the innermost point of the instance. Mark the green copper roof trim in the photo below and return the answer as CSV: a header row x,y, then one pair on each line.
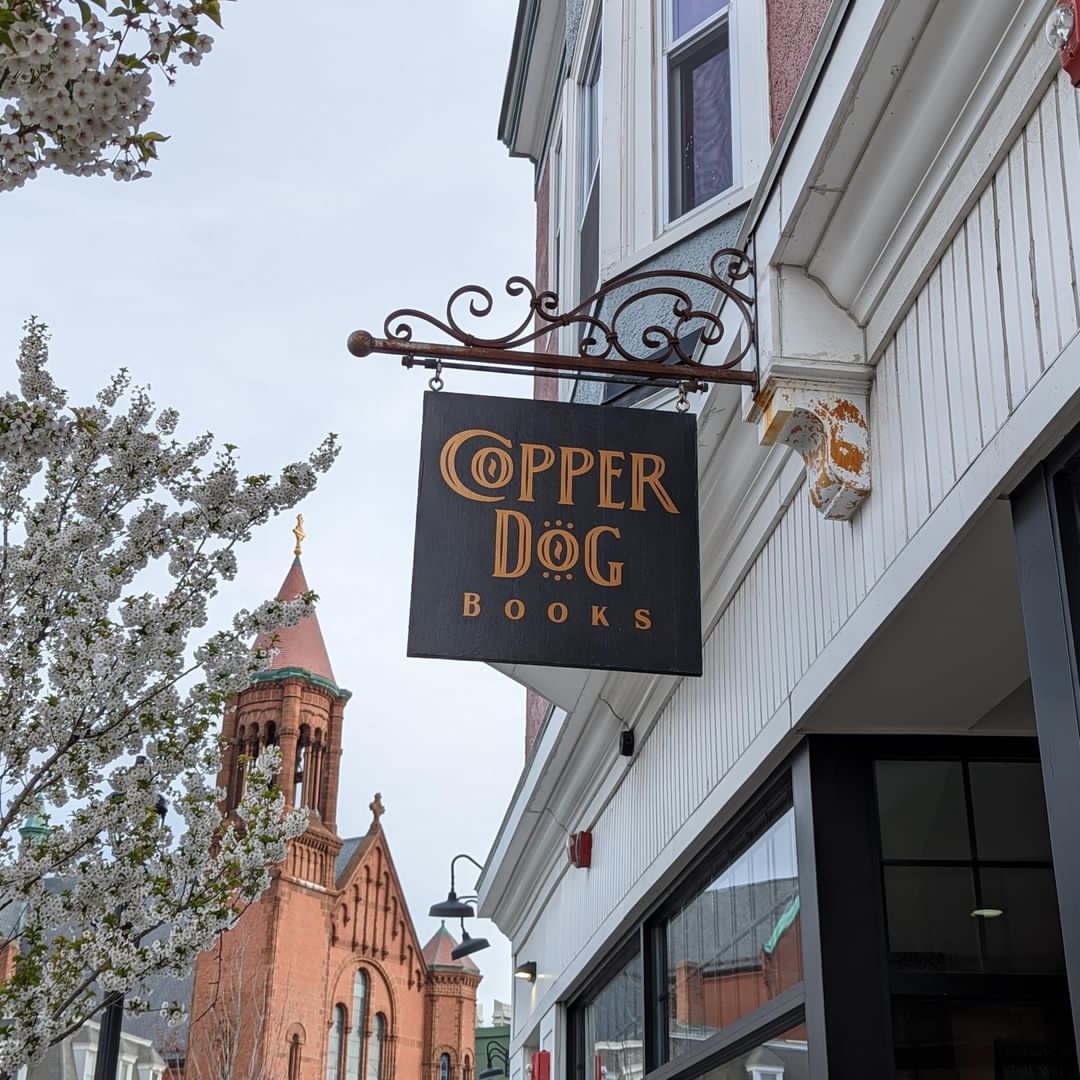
x,y
783,925
36,825
277,674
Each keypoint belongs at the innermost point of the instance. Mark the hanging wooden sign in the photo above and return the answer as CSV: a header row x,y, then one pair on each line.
x,y
558,535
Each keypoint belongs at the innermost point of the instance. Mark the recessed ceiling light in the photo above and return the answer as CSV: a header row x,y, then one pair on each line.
x,y
987,913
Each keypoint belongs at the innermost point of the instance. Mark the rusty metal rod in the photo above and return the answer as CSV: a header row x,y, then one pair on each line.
x,y
692,387
362,343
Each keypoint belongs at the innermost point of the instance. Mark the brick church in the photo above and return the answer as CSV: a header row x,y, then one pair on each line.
x,y
324,978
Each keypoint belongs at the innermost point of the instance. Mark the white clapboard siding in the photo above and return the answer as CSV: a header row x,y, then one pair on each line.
x,y
992,316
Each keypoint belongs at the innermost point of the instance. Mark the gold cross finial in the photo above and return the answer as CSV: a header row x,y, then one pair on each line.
x,y
299,533
377,809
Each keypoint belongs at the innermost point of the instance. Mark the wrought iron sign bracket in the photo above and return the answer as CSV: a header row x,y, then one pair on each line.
x,y
659,354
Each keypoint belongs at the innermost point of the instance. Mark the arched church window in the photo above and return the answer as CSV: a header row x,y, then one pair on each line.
x,y
354,1063
466,1069
294,1057
375,1048
335,1050
444,1067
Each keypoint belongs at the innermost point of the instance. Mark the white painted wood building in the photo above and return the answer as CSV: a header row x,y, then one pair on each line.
x,y
916,236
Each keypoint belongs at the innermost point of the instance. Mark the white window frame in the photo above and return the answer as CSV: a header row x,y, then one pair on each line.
x,y
590,92
556,215
636,172
671,51
748,50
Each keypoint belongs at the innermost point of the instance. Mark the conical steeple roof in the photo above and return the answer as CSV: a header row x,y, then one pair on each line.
x,y
437,952
300,646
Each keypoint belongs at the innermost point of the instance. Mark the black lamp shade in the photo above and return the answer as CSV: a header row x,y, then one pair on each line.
x,y
468,945
491,1074
451,908
526,971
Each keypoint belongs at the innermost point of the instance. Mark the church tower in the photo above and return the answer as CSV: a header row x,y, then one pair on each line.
x,y
249,983
324,977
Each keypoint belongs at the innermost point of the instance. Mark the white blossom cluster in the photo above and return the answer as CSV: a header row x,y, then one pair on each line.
x,y
76,76
106,705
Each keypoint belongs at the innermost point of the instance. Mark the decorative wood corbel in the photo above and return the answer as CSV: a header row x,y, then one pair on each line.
x,y
821,410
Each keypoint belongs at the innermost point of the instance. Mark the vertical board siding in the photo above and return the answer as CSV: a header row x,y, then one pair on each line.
x,y
992,316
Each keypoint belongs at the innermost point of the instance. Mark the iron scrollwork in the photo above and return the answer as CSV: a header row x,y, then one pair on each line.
x,y
659,350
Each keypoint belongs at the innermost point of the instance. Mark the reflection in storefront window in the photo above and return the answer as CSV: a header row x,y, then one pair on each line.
x,y
614,1029
735,945
781,1058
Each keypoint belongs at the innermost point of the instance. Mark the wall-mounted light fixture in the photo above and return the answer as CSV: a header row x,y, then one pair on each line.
x,y
468,944
496,1052
626,742
454,907
526,971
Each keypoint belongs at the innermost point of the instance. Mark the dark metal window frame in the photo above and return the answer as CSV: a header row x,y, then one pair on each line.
x,y
1048,555
774,1017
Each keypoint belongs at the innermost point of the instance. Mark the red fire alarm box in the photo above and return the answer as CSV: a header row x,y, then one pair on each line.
x,y
1070,51
541,1065
581,849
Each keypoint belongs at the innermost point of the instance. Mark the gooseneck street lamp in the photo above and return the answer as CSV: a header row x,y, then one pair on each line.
x,y
454,907
459,907
493,1072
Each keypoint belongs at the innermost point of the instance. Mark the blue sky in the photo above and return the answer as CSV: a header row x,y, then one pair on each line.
x,y
320,173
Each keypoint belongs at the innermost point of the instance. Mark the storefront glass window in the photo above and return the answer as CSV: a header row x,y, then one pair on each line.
x,y
735,943
783,1057
614,1027
966,867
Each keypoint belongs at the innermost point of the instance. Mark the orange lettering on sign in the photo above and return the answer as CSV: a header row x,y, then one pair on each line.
x,y
568,471
523,554
531,465
640,480
448,464
608,472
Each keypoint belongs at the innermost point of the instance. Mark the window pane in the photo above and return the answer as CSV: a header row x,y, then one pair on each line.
x,y
701,123
736,944
590,249
359,1022
375,1048
686,14
590,122
1027,936
614,1029
333,1051
1010,811
928,910
922,810
782,1057
942,1039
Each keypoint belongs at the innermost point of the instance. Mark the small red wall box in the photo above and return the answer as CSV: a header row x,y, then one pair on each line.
x,y
1070,54
541,1065
581,849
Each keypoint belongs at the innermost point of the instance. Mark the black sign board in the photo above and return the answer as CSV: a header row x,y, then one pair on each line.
x,y
555,534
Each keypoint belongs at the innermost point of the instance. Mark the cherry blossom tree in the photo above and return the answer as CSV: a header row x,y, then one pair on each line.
x,y
114,536
77,74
